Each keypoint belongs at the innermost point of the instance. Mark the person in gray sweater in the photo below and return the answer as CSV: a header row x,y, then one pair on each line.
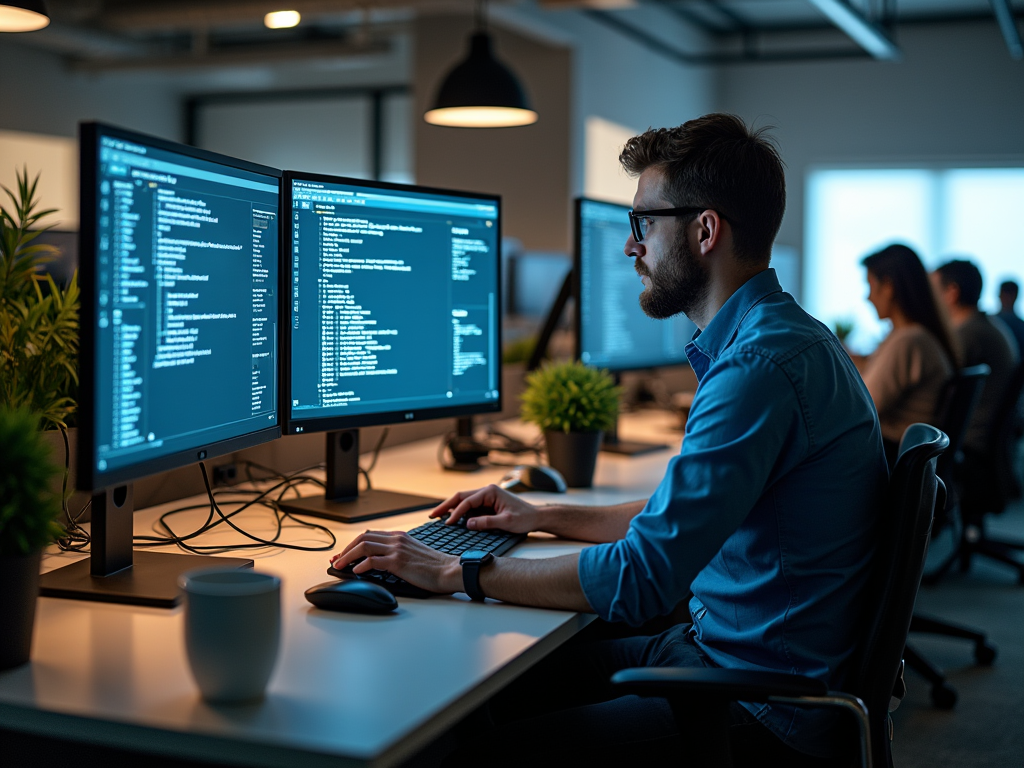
x,y
958,282
908,372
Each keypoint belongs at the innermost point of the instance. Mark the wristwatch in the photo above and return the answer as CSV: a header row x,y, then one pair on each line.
x,y
472,561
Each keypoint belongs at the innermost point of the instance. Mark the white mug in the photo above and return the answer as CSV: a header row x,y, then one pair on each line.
x,y
232,631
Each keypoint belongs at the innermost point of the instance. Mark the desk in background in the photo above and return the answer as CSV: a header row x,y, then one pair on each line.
x,y
348,689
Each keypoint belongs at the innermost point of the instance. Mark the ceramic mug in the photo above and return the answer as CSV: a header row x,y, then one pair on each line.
x,y
232,631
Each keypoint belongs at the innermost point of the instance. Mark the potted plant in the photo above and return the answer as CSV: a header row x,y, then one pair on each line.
x,y
28,514
38,318
573,405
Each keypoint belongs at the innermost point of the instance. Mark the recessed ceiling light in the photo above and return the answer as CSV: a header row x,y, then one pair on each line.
x,y
282,19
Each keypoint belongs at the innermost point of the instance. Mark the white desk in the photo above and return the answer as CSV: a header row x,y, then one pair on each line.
x,y
348,689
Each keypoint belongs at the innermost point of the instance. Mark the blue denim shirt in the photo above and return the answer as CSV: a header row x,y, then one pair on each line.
x,y
768,512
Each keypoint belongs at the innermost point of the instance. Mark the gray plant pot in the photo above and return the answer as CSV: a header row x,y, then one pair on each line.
x,y
574,454
19,575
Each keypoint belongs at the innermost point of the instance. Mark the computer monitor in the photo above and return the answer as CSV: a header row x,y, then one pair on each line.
x,y
611,330
179,269
394,316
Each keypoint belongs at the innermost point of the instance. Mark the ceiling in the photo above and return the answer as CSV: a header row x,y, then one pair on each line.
x,y
105,35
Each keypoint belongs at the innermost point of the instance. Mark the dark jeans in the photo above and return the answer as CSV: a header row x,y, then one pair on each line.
x,y
565,712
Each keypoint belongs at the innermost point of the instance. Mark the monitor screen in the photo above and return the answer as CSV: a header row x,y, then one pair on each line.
x,y
395,311
180,301
611,330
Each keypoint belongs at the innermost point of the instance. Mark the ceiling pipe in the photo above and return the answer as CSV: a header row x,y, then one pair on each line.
x,y
860,29
1008,26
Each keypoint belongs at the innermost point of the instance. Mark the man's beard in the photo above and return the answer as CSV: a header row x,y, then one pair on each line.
x,y
679,283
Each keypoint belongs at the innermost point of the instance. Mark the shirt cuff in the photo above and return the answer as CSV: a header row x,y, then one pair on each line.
x,y
597,581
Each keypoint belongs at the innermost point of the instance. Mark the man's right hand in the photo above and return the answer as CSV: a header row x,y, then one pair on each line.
x,y
511,513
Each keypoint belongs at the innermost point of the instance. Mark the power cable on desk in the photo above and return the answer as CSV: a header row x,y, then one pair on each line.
x,y
75,538
261,498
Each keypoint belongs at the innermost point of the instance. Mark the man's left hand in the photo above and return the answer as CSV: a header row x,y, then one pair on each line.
x,y
400,554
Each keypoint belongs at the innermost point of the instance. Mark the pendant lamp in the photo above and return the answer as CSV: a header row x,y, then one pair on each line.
x,y
22,15
480,92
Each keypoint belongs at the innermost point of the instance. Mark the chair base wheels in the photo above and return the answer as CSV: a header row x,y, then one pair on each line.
x,y
984,654
944,696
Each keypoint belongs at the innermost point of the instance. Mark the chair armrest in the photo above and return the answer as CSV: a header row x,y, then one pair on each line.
x,y
729,684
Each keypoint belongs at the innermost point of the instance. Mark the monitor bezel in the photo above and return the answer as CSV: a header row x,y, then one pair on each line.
x,y
577,286
89,477
332,423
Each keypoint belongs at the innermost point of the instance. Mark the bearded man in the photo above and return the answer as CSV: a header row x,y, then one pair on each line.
x,y
765,521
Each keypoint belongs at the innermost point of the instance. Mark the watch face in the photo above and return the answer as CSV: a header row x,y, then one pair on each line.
x,y
476,556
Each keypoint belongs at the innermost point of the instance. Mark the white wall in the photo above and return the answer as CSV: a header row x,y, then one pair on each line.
x,y
617,79
956,97
41,95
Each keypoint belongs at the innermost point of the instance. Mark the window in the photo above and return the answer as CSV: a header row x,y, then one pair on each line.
x,y
975,213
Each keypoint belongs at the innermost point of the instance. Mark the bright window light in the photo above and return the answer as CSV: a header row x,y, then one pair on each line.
x,y
282,19
942,214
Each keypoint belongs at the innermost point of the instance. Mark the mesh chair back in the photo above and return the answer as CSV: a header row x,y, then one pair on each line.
x,y
956,408
905,528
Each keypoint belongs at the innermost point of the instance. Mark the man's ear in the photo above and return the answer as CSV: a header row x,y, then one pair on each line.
x,y
709,231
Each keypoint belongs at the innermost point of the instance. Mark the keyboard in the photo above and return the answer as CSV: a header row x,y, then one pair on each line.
x,y
450,539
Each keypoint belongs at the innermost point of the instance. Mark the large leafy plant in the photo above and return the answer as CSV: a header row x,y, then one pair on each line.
x,y
28,508
570,397
38,318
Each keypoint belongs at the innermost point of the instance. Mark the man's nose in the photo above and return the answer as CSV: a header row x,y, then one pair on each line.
x,y
633,248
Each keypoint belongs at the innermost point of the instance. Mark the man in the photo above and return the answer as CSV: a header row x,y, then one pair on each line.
x,y
958,283
1008,291
767,514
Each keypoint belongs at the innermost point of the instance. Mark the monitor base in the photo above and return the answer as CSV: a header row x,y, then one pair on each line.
x,y
366,506
631,448
152,580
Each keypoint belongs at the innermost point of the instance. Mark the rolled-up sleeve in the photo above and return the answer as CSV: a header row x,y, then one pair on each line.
x,y
745,427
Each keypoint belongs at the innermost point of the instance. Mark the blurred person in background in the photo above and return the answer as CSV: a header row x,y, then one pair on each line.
x,y
1008,291
908,372
981,339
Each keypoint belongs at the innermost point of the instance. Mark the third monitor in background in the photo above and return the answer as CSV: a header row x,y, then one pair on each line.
x,y
611,330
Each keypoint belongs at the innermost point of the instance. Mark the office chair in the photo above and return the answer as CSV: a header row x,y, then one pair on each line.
x,y
874,686
956,406
987,484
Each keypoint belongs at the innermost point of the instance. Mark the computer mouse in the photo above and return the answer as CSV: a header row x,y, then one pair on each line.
x,y
527,477
352,596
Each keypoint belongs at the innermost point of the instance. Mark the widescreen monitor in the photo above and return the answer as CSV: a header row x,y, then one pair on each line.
x,y
394,315
179,262
611,330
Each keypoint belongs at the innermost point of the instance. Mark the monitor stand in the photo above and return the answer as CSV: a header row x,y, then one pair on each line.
x,y
114,572
612,444
342,501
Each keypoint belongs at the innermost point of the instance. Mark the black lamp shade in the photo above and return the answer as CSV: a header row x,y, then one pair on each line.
x,y
22,15
481,92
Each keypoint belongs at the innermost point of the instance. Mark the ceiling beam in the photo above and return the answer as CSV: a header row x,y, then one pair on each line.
x,y
1008,26
860,29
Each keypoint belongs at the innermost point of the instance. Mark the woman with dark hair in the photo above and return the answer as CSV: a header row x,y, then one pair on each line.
x,y
908,371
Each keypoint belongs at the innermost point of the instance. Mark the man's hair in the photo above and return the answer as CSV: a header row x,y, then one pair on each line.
x,y
717,162
1010,287
965,276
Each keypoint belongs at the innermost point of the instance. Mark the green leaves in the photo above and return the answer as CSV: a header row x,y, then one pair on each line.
x,y
38,318
570,397
28,509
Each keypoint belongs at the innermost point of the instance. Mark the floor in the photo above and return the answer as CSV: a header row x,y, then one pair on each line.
x,y
986,728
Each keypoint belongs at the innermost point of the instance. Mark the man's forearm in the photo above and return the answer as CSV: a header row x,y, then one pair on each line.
x,y
551,582
596,524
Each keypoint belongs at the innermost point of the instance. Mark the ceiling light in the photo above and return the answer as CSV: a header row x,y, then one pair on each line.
x,y
282,19
22,15
480,92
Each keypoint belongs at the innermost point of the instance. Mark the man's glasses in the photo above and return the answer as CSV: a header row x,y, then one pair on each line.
x,y
640,221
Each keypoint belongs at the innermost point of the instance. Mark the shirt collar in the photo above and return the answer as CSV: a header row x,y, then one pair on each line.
x,y
707,346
